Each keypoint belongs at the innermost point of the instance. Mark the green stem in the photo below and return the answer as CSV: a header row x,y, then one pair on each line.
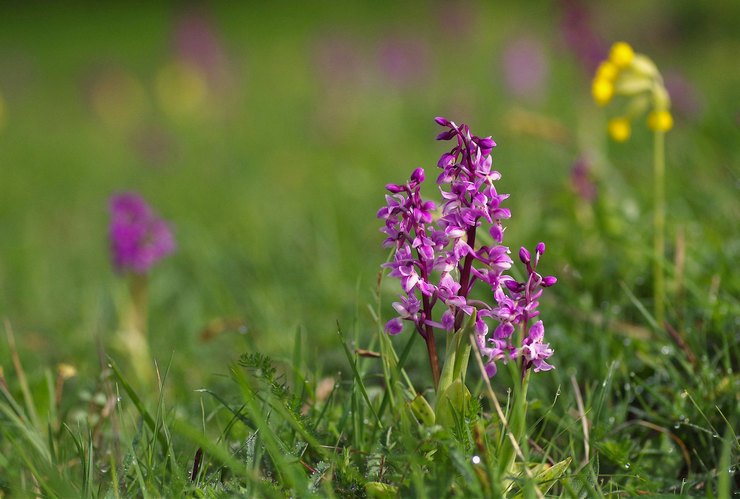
x,y
133,336
659,228
457,355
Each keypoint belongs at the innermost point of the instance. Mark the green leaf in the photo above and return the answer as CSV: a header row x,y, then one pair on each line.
x,y
379,490
454,400
422,410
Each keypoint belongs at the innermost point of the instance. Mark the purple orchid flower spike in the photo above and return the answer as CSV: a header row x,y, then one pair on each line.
x,y
138,237
438,260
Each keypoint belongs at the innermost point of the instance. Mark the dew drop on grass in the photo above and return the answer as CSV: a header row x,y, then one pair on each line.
x,y
626,466
476,459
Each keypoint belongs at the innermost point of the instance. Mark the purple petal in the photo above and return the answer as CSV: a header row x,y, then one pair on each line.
x,y
394,326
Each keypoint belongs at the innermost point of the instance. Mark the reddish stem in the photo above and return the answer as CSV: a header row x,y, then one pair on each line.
x,y
465,274
428,332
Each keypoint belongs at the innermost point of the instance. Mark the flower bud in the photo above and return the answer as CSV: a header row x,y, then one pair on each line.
x,y
660,121
446,135
619,129
540,249
607,70
549,281
417,176
524,255
602,91
621,54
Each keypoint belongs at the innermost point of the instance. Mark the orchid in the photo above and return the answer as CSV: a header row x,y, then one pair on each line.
x,y
438,259
138,237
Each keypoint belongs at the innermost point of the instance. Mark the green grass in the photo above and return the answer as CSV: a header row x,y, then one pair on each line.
x,y
273,192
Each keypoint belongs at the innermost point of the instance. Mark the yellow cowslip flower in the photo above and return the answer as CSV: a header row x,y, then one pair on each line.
x,y
602,91
621,54
619,129
607,70
660,121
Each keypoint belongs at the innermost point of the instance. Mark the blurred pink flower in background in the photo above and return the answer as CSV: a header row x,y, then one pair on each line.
x,y
581,180
456,19
337,60
404,60
526,69
197,42
580,36
686,100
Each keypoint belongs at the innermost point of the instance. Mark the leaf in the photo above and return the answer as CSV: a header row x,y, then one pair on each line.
x,y
454,400
422,410
380,490
545,476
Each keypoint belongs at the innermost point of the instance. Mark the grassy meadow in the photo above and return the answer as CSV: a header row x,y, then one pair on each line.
x,y
265,135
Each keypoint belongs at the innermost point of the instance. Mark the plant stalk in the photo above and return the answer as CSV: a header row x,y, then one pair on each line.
x,y
133,337
517,423
659,228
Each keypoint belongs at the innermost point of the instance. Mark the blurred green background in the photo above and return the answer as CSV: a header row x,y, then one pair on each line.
x,y
266,132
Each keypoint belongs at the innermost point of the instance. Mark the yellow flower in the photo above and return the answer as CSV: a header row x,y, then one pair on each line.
x,y
602,91
182,89
607,70
621,54
619,129
660,121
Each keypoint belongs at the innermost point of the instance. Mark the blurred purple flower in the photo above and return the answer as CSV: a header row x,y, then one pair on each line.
x,y
580,36
581,181
525,67
404,60
138,237
455,20
339,63
197,42
685,99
